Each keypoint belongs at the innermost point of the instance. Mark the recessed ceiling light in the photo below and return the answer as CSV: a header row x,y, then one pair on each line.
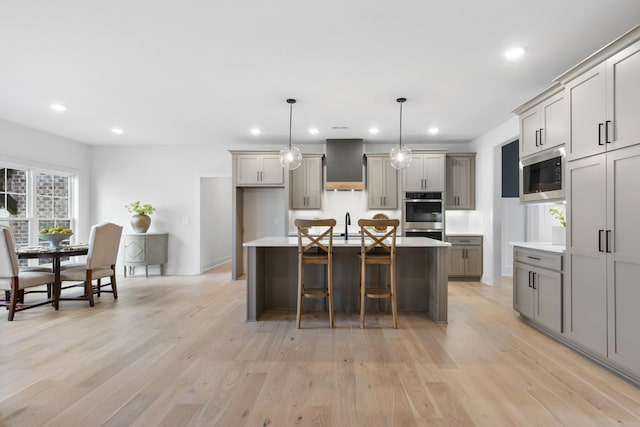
x,y
313,131
117,131
58,107
514,53
256,131
373,130
433,130
340,127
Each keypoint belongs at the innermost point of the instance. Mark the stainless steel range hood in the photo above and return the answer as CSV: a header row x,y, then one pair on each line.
x,y
344,164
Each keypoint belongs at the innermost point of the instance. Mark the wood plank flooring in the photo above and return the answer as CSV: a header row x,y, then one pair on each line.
x,y
176,351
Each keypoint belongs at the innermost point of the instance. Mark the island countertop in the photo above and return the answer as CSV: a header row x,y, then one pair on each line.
x,y
401,242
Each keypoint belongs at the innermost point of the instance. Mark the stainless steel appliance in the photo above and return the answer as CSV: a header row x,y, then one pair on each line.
x,y
423,214
542,176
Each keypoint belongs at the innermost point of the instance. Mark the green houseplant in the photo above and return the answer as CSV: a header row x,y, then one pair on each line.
x,y
140,221
558,233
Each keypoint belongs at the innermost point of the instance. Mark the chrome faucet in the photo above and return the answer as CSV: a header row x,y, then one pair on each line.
x,y
347,223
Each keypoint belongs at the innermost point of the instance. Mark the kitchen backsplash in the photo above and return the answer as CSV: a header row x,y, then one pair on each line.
x,y
335,204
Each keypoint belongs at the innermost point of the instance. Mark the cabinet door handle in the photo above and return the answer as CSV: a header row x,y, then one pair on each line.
x,y
541,143
530,278
606,131
385,200
600,240
600,133
533,282
533,257
608,241
537,135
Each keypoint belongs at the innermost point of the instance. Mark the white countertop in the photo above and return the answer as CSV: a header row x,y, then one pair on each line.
x,y
540,246
401,242
464,234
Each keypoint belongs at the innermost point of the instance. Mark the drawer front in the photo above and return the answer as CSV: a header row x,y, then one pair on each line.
x,y
465,240
538,259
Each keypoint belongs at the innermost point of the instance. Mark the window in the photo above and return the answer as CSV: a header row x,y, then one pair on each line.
x,y
31,200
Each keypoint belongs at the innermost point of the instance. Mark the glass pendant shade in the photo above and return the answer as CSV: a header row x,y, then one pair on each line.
x,y
290,157
400,156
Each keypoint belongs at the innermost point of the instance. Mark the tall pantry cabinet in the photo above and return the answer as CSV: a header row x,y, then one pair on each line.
x,y
602,174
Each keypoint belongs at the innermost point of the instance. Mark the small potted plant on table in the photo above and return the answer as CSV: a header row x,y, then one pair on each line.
x,y
141,220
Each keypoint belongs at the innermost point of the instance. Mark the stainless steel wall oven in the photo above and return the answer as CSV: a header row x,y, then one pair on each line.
x,y
423,214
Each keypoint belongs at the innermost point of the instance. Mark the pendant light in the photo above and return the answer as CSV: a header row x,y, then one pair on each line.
x,y
400,155
290,157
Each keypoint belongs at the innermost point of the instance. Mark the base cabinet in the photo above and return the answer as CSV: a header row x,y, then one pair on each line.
x,y
465,256
537,294
144,249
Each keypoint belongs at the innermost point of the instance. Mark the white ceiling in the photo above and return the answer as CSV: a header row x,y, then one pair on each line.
x,y
206,72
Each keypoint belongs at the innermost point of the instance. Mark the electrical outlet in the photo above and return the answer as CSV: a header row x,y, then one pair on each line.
x,y
185,220
275,220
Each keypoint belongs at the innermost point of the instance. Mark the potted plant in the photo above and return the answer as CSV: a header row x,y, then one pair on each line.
x,y
141,220
558,232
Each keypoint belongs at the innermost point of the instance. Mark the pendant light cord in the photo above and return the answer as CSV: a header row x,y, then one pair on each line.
x,y
400,125
400,101
290,101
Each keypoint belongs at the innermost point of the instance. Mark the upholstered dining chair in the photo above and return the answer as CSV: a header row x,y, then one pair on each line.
x,y
13,281
318,250
378,249
104,242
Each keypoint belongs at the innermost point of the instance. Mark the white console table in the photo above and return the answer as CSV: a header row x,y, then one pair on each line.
x,y
144,249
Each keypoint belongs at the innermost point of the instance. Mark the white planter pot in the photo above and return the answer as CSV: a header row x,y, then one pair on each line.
x,y
558,235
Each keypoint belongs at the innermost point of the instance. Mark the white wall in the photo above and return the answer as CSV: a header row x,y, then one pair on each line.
x,y
215,220
167,177
488,194
21,146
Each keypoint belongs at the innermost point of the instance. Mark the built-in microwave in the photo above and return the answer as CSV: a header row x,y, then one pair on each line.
x,y
542,176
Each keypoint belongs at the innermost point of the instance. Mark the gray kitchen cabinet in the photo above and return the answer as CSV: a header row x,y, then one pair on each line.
x,y
144,249
426,172
537,289
306,183
465,256
543,123
461,181
382,182
603,105
603,246
259,169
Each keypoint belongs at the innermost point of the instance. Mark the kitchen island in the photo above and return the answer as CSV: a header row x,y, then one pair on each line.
x,y
272,274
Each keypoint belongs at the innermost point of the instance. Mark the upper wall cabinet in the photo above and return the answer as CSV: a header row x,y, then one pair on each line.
x,y
543,122
382,182
426,172
306,183
603,105
258,169
461,181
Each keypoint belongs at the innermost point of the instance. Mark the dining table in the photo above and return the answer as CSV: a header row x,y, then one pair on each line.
x,y
56,255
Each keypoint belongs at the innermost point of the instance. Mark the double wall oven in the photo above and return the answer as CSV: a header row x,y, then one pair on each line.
x,y
423,215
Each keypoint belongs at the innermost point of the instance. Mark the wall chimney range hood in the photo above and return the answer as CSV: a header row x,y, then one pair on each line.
x,y
344,164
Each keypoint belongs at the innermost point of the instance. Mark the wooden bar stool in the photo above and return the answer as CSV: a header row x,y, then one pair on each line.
x,y
378,251
313,250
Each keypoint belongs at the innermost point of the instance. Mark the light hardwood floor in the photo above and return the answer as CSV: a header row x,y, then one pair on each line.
x,y
176,351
